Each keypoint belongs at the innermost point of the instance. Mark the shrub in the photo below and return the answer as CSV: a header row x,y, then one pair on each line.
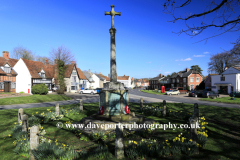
x,y
21,92
41,89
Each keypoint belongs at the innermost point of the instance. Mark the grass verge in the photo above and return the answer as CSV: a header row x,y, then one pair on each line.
x,y
223,130
222,100
153,92
33,99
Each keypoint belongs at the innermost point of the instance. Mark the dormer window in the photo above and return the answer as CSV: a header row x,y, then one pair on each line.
x,y
7,69
43,75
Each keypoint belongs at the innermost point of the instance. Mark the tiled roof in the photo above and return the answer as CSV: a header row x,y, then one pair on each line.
x,y
69,70
86,74
156,78
101,78
80,74
35,67
107,78
1,71
236,67
11,61
123,77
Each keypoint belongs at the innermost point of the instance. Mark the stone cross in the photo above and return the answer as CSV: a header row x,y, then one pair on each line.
x,y
119,146
34,141
25,123
141,104
81,105
164,108
20,114
112,30
57,109
112,13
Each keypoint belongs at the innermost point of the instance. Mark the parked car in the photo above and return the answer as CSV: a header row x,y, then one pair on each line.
x,y
173,92
181,90
98,89
195,93
236,94
88,91
168,89
208,94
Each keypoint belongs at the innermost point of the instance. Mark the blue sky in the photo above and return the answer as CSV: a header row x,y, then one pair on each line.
x,y
145,44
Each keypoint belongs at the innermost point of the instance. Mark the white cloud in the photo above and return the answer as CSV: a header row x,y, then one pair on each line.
x,y
179,64
205,52
167,72
198,55
187,59
148,62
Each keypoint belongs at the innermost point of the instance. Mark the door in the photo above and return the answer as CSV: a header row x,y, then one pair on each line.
x,y
7,87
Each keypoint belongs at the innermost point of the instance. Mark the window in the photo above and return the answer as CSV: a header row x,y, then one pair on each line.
x,y
192,79
74,73
184,86
173,80
198,79
73,87
1,85
7,69
13,85
222,78
43,75
184,80
74,78
177,80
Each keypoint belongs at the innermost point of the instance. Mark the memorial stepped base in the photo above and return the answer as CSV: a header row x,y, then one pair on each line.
x,y
112,121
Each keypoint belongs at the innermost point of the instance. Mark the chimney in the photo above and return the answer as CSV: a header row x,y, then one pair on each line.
x,y
124,75
109,75
187,69
6,54
99,72
73,62
89,71
226,68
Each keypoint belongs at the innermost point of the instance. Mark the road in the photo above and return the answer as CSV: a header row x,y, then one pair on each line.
x,y
134,96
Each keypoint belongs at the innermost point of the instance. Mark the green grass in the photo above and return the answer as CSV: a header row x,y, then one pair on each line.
x,y
223,130
6,92
33,99
153,92
222,100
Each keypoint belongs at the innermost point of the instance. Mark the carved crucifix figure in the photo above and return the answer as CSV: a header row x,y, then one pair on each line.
x,y
112,30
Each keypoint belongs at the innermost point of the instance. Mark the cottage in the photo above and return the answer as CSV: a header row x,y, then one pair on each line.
x,y
7,73
31,73
126,80
228,81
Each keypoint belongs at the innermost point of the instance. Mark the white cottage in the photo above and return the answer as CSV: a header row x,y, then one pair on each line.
x,y
228,81
31,73
126,80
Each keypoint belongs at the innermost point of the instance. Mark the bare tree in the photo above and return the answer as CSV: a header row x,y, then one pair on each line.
x,y
21,52
220,61
43,59
226,18
63,54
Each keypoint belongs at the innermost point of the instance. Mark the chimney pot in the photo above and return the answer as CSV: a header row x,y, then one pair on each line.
x,y
6,54
109,75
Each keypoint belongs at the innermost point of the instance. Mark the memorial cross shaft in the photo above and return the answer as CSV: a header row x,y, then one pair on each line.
x,y
112,30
